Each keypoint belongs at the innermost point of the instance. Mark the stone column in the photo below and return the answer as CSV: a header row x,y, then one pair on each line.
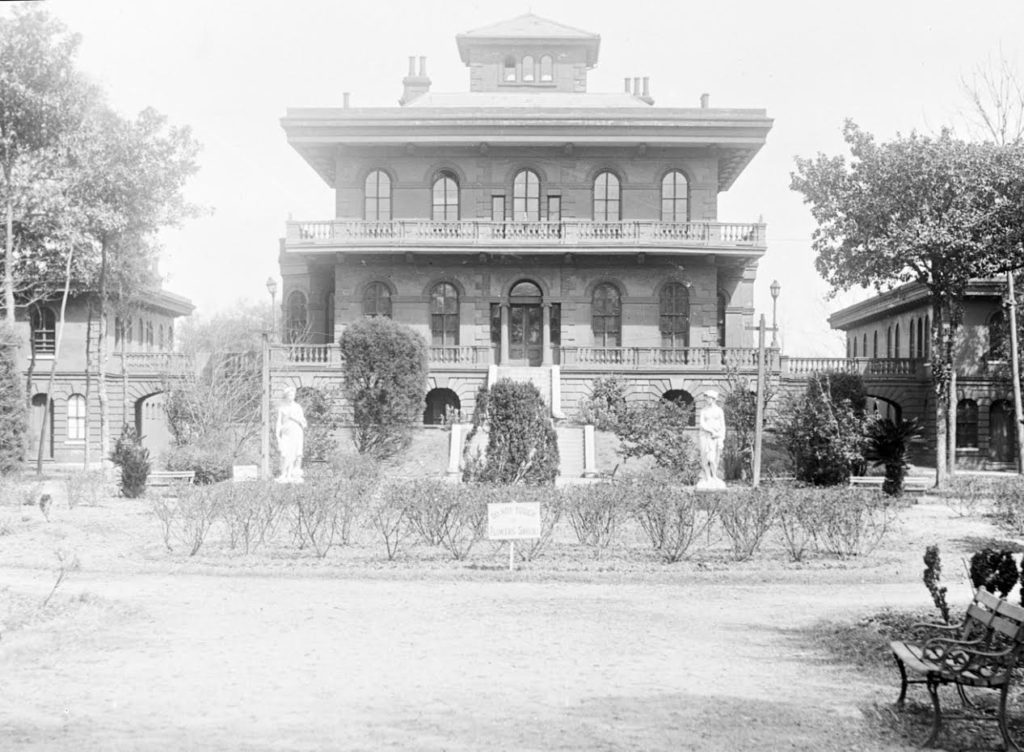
x,y
503,357
546,336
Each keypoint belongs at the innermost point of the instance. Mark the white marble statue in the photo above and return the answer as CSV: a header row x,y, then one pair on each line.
x,y
291,426
710,441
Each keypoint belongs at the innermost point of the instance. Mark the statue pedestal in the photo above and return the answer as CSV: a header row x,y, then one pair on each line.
x,y
710,484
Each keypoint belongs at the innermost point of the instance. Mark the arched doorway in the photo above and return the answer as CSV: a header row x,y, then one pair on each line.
x,y
684,399
525,325
1002,436
151,423
35,428
880,407
439,401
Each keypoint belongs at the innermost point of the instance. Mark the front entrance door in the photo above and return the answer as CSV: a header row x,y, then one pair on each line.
x,y
526,334
1002,444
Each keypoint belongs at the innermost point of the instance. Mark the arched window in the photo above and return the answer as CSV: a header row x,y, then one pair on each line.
x,y
865,348
920,338
76,418
1002,432
967,424
888,342
675,192
674,315
874,344
509,71
723,302
526,197
849,348
44,330
606,316
296,321
896,343
547,70
446,198
998,334
528,72
606,198
927,336
911,353
377,300
444,314
855,346
160,340
329,317
170,335
149,335
378,196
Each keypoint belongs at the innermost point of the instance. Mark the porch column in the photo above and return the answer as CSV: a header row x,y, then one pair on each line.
x,y
546,333
504,334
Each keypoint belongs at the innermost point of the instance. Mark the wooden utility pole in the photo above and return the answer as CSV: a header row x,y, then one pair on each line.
x,y
1018,421
951,423
265,411
759,412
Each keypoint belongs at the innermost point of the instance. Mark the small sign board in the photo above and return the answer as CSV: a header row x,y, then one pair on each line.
x,y
245,472
513,521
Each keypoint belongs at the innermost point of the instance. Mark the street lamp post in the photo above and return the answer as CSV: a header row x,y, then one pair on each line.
x,y
776,288
272,289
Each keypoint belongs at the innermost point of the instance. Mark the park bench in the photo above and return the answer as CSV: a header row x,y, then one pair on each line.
x,y
982,652
911,484
166,478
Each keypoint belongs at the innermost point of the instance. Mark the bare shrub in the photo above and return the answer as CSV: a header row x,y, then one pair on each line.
x,y
853,521
1008,503
85,487
799,518
431,509
467,521
746,517
242,507
388,515
198,510
671,515
166,511
964,494
596,511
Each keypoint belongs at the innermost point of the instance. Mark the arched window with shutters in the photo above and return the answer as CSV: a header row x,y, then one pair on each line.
x,y
674,315
509,69
76,417
378,196
675,195
854,338
606,315
529,74
888,342
865,348
377,300
445,205
296,317
444,314
967,424
547,69
874,344
607,204
526,196
44,330
896,342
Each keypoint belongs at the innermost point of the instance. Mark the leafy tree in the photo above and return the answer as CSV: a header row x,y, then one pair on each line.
x,y
935,210
12,404
43,102
658,429
606,404
824,436
321,421
385,369
133,459
521,445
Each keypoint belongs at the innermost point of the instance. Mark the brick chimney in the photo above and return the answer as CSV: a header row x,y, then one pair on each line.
x,y
415,84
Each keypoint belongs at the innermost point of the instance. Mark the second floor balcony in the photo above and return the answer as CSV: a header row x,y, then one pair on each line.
x,y
350,234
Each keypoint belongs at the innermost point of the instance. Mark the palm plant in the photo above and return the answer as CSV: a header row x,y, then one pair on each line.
x,y
889,446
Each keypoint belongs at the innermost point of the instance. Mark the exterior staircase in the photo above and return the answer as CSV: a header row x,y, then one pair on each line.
x,y
539,376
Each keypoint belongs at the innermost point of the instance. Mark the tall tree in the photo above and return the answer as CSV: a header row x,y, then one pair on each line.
x,y
135,176
995,97
42,100
935,210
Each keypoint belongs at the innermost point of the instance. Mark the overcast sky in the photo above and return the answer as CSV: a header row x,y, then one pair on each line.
x,y
229,69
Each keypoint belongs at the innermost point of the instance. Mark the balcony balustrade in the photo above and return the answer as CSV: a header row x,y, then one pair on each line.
x,y
340,233
898,367
139,363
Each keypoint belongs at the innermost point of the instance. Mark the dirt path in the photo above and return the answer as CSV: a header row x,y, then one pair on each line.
x,y
252,663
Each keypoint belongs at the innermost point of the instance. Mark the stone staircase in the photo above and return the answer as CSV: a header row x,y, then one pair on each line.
x,y
539,376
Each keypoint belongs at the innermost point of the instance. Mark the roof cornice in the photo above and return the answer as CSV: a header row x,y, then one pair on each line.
x,y
903,298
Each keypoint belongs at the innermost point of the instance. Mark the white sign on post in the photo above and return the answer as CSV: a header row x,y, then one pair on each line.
x,y
513,522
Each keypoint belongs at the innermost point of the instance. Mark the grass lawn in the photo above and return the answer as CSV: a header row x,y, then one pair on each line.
x,y
141,649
